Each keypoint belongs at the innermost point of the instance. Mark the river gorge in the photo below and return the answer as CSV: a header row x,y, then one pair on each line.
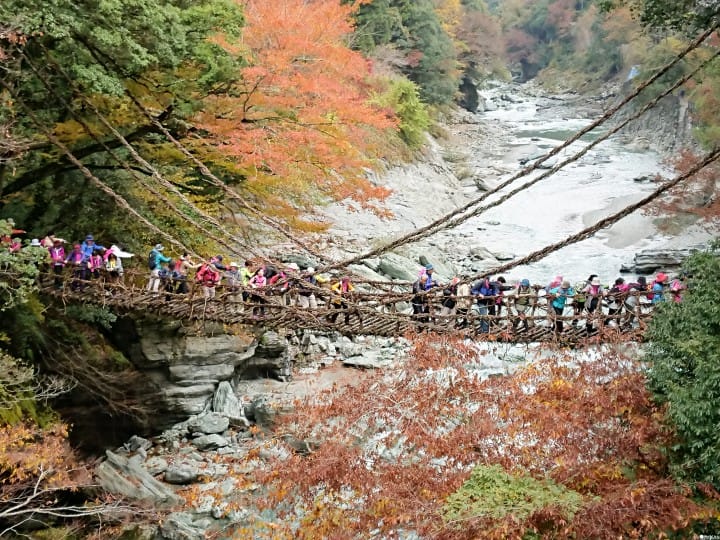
x,y
225,382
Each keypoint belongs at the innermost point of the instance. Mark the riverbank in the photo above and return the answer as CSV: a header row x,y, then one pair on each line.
x,y
519,122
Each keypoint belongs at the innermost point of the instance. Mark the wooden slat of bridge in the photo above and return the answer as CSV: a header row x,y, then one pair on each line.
x,y
364,319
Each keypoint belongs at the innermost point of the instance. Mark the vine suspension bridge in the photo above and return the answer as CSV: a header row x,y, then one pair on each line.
x,y
368,311
374,310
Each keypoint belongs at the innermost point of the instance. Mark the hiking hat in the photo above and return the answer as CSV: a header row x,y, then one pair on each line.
x,y
35,243
159,247
661,277
310,270
292,266
566,284
525,283
89,237
429,266
233,264
595,282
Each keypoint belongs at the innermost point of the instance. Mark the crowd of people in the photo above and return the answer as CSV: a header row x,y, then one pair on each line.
x,y
620,304
458,302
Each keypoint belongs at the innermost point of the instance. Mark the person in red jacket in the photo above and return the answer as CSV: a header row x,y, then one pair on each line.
x,y
208,276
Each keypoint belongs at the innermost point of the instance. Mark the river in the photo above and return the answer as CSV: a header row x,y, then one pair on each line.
x,y
523,123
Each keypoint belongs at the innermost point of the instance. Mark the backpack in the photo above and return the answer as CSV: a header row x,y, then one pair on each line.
x,y
152,260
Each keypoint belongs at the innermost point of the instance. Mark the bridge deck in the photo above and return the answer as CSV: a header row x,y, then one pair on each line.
x,y
370,313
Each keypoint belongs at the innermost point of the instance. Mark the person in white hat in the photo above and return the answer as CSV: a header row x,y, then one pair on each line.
x,y
306,296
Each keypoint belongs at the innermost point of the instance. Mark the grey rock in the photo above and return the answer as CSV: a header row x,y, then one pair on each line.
x,y
398,267
266,408
503,256
140,532
373,263
210,442
650,260
225,402
271,345
156,465
209,423
127,477
182,473
372,359
366,273
136,443
185,526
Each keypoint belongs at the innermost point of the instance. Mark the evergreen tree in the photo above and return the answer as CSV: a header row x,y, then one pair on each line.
x,y
412,27
684,369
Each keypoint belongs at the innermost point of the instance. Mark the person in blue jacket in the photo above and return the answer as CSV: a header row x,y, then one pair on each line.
x,y
486,292
155,260
88,247
560,296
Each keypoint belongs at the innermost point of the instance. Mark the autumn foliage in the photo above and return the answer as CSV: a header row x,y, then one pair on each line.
x,y
299,118
385,455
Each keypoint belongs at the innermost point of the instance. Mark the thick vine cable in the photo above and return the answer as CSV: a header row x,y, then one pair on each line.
x,y
437,224
133,152
122,202
209,176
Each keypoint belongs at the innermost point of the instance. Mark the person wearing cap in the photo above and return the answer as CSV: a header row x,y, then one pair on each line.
x,y
485,291
677,286
593,296
560,296
524,301
431,281
88,247
306,295
634,299
658,286
155,260
291,273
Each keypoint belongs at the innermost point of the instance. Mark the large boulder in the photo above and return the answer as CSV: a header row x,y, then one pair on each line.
x,y
126,476
225,402
398,267
209,423
648,261
182,473
272,358
210,442
185,526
